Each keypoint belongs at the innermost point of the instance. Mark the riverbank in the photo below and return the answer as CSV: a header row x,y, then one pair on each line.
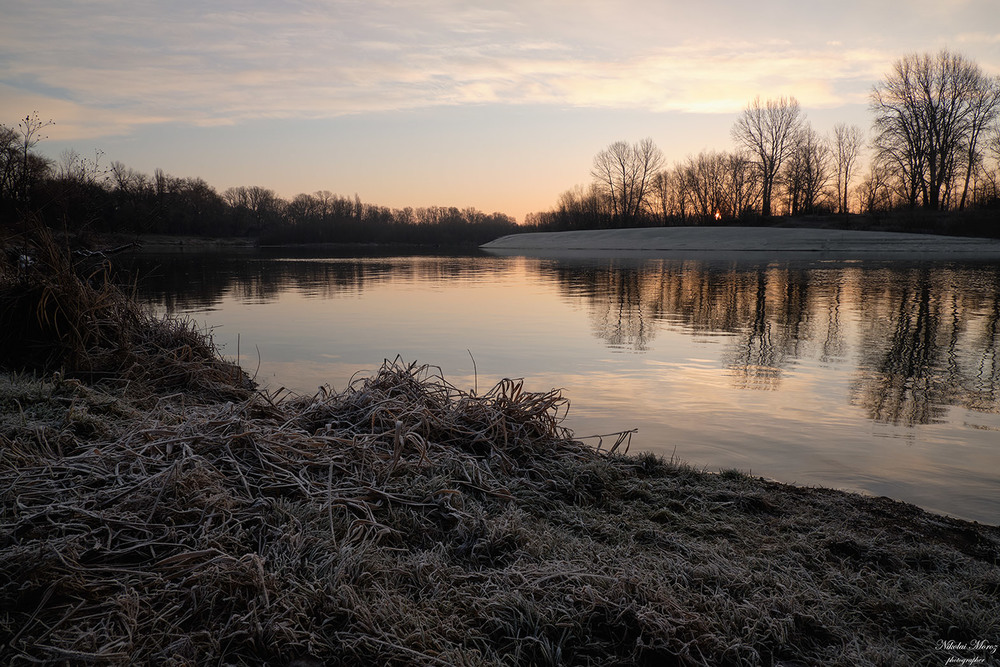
x,y
165,243
155,508
745,242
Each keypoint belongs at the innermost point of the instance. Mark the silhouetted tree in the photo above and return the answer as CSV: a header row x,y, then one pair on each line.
x,y
710,186
874,192
581,208
32,167
806,171
75,167
741,183
768,131
705,177
9,164
77,194
189,206
659,196
671,199
135,198
845,146
984,101
929,114
254,208
624,172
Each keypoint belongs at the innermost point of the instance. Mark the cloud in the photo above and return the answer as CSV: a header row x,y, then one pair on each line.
x,y
107,66
71,119
979,38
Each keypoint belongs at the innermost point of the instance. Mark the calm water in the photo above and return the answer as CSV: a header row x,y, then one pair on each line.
x,y
879,377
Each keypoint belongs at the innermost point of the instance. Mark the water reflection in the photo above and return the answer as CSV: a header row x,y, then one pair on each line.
x,y
878,377
927,336
198,280
929,341
766,309
924,338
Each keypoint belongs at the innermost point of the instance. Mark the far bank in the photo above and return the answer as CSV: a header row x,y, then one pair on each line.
x,y
781,242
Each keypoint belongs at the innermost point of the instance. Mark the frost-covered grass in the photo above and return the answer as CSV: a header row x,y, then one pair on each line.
x,y
191,520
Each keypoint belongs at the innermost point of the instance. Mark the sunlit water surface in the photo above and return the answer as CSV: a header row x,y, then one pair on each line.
x,y
878,377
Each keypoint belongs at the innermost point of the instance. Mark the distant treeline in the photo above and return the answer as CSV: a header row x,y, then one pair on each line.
x,y
81,195
931,161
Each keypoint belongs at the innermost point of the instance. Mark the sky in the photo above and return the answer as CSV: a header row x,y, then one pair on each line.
x,y
499,106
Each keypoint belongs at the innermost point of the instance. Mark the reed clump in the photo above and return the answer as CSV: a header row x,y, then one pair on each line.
x,y
62,312
404,521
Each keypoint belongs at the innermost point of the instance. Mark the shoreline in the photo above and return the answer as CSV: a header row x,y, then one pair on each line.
x,y
401,502
156,507
740,242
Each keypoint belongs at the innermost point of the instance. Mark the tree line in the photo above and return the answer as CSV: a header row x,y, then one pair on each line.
x,y
83,195
934,146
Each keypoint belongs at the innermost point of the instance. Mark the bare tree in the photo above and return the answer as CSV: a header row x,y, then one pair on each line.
x,y
742,183
265,205
255,208
31,127
706,179
659,196
304,208
807,171
711,186
74,167
624,172
324,201
846,148
672,197
129,182
874,191
993,144
237,197
984,102
929,114
768,132
9,161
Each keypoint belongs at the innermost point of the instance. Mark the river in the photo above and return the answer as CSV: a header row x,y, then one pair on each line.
x,y
881,377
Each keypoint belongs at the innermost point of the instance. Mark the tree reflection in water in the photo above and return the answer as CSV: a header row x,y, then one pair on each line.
x,y
929,341
927,336
921,337
197,280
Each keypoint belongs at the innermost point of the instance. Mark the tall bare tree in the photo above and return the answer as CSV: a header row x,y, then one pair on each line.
x,y
30,165
929,113
984,102
660,196
706,179
846,148
672,195
625,172
768,131
807,171
742,183
9,163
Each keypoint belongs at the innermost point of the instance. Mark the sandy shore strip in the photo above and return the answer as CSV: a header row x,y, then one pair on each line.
x,y
659,241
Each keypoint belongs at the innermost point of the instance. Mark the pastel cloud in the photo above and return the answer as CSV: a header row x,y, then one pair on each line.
x,y
108,66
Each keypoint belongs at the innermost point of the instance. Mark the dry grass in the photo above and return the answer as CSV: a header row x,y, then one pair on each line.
x,y
406,522
62,313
